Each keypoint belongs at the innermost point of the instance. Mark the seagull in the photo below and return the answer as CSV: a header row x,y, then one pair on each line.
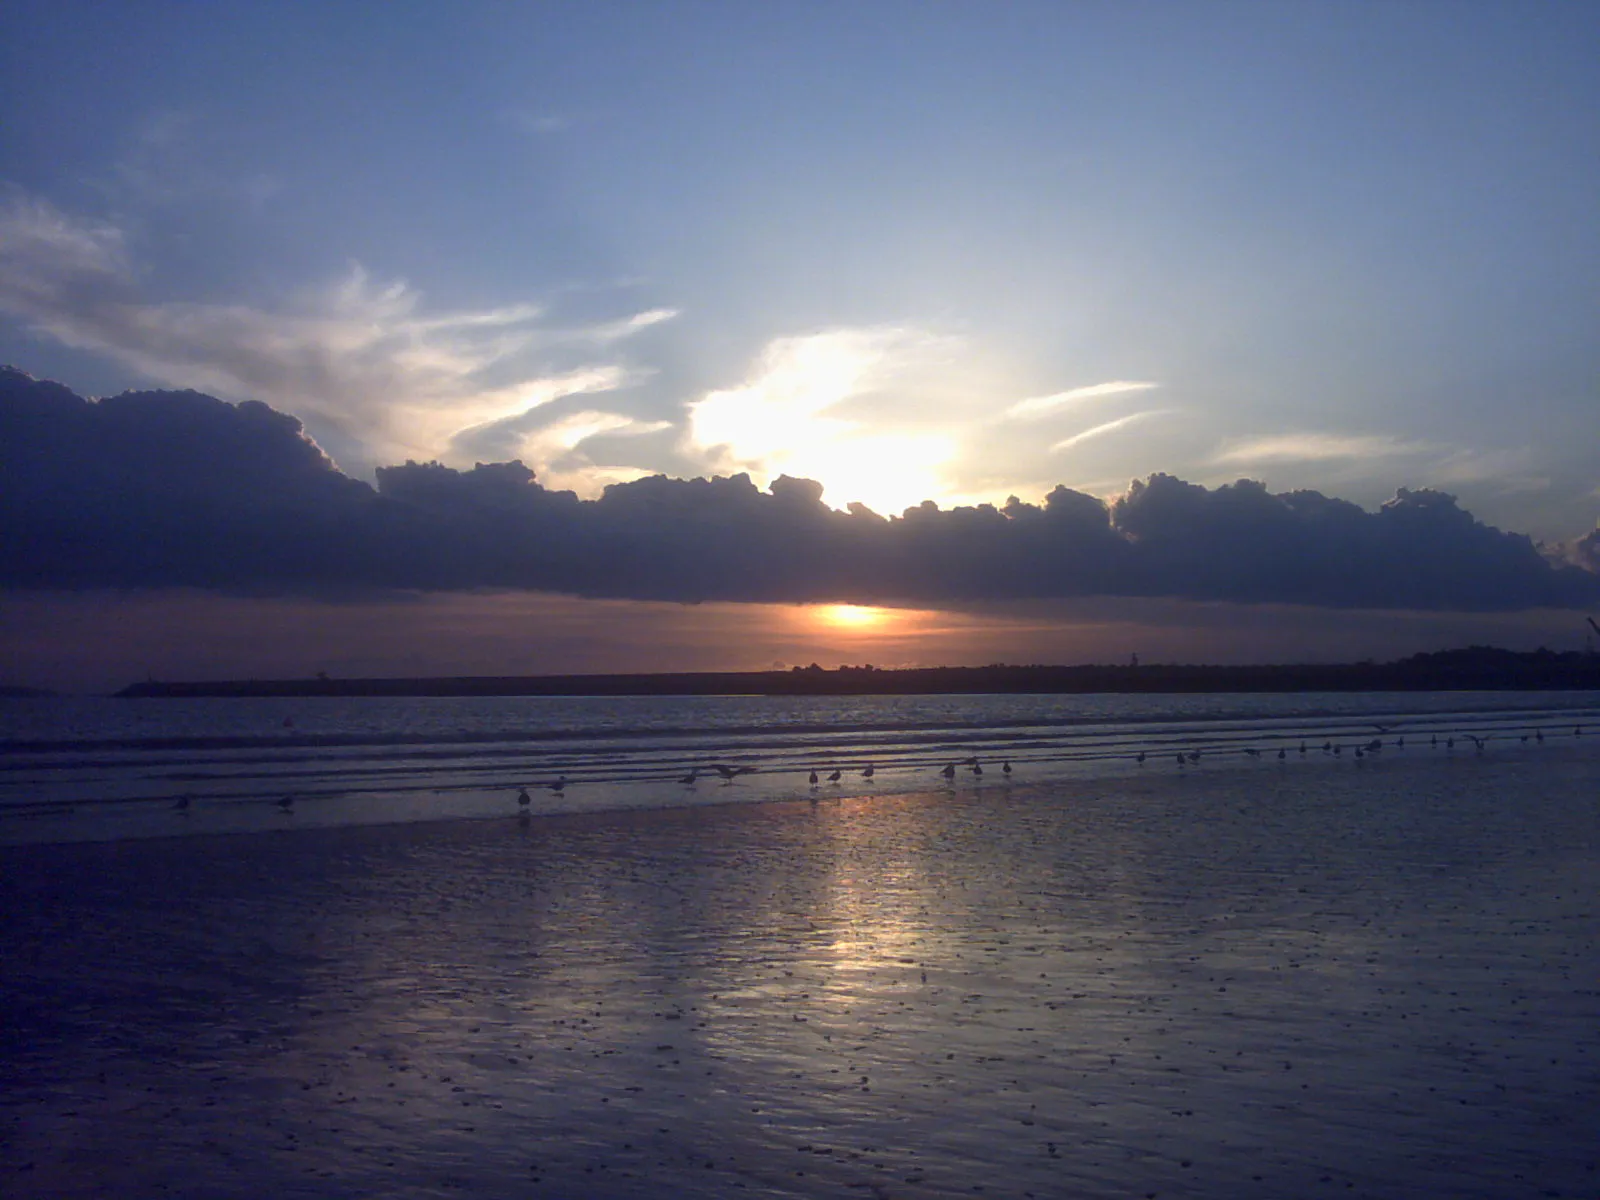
x,y
1538,736
1381,728
1005,767
868,771
1302,747
287,803
1252,752
1282,754
1139,758
559,786
835,776
1374,746
688,780
977,767
1400,743
949,771
813,779
730,773
523,799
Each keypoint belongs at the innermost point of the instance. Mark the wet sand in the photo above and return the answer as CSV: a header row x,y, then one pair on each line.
x,y
1377,979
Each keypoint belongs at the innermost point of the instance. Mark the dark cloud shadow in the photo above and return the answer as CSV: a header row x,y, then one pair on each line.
x,y
177,489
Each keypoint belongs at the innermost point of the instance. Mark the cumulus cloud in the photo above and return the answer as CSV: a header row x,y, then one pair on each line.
x,y
360,355
161,489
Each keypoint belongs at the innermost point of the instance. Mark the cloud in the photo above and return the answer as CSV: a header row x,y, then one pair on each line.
x,y
1041,405
177,489
359,355
1316,447
790,417
557,455
1078,439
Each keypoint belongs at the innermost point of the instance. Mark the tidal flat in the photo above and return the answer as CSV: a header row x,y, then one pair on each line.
x,y
1381,980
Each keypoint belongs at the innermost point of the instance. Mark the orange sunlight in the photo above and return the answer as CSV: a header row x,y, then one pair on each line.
x,y
847,618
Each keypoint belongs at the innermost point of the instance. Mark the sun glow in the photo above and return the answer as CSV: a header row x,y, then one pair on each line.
x,y
854,617
806,411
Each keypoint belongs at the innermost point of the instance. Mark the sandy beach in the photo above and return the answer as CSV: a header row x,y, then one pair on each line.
x,y
1375,979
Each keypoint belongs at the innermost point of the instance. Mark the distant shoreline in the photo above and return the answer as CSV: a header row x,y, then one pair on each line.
x,y
1472,669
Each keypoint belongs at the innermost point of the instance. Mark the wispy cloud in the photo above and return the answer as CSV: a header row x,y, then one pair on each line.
x,y
1317,447
361,355
556,452
1040,405
1101,430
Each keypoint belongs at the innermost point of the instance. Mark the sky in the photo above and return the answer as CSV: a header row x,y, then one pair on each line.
x,y
932,251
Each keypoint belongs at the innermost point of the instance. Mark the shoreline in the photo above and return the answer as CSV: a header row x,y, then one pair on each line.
x,y
1474,669
1234,982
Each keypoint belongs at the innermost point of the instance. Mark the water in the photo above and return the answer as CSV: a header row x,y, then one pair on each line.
x,y
80,769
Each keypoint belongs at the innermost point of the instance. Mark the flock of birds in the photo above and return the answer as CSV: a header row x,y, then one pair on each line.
x,y
1184,758
728,772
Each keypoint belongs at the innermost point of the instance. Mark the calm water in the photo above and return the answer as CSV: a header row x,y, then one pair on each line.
x,y
89,769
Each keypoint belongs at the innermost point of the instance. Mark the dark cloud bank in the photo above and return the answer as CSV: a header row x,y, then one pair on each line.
x,y
161,489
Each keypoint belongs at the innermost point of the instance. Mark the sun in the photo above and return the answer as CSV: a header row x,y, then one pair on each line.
x,y
853,617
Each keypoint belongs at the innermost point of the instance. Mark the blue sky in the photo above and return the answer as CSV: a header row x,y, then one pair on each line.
x,y
948,251
1338,246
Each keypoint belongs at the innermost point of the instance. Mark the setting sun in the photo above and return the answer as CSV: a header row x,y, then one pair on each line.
x,y
853,616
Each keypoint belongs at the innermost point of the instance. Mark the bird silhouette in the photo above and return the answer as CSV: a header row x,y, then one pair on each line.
x,y
1139,758
813,779
523,799
1005,767
689,779
558,786
868,771
286,804
835,776
730,773
181,804
949,771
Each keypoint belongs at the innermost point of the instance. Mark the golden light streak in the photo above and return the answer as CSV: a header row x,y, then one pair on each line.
x,y
855,617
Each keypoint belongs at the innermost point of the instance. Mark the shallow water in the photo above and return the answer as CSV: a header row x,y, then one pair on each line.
x,y
95,769
1377,979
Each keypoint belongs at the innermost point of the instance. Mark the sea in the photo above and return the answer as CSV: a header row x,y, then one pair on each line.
x,y
101,768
